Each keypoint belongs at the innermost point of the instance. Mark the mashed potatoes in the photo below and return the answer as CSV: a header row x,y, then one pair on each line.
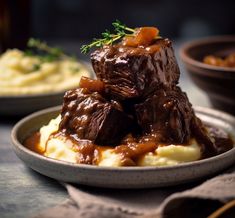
x,y
21,74
61,148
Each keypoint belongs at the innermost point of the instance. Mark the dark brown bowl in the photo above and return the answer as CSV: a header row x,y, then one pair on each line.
x,y
217,82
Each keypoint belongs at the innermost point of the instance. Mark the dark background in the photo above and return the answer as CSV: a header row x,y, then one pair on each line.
x,y
81,20
84,19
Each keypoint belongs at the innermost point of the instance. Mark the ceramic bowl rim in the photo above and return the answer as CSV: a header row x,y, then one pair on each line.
x,y
204,41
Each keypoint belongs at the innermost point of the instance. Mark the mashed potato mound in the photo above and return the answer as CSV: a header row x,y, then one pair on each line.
x,y
21,74
171,155
61,148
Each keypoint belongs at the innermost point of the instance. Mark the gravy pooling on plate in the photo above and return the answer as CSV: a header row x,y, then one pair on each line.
x,y
134,114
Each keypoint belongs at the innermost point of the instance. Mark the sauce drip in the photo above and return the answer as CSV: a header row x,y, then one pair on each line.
x,y
33,143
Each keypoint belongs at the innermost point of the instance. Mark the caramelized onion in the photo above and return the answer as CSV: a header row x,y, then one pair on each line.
x,y
91,84
144,36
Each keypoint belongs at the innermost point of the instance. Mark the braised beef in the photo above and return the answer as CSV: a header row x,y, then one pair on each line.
x,y
131,72
135,101
167,115
221,139
88,115
134,105
208,147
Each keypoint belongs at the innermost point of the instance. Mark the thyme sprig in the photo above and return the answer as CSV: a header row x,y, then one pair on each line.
x,y
120,31
44,52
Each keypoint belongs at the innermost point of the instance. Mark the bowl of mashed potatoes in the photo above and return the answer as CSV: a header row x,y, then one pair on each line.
x,y
29,83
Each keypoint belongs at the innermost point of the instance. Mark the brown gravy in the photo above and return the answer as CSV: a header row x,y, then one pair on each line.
x,y
33,143
130,148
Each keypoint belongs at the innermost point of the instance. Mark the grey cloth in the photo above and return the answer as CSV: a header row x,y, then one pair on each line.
x,y
178,202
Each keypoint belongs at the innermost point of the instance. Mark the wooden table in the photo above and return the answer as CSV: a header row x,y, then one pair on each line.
x,y
23,191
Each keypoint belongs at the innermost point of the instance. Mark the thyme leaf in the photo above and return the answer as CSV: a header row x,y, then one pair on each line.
x,y
120,31
44,52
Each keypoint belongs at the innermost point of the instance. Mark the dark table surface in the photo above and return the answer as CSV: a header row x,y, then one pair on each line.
x,y
23,191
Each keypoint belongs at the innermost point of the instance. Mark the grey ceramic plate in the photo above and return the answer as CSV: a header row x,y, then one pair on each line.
x,y
117,177
25,104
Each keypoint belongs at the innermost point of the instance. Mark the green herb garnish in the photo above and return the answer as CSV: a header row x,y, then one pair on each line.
x,y
120,31
44,52
36,67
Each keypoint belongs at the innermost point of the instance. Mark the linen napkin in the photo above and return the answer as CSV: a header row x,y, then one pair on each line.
x,y
177,202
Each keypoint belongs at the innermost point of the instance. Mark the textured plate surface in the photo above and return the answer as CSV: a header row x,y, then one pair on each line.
x,y
122,177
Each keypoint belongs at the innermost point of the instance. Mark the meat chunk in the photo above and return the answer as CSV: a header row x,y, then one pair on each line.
x,y
167,115
221,138
87,115
201,134
213,141
130,72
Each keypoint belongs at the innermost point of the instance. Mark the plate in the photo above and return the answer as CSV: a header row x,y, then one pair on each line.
x,y
25,104
121,177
